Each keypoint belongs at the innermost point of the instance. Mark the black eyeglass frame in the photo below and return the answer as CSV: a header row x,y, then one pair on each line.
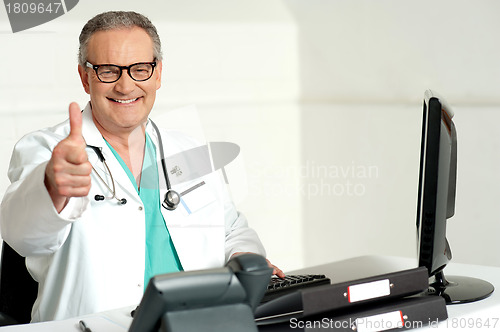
x,y
96,67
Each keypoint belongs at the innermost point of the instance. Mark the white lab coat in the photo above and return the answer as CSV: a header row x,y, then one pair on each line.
x,y
90,257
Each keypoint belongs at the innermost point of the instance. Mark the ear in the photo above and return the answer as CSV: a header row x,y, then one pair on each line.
x,y
158,69
84,77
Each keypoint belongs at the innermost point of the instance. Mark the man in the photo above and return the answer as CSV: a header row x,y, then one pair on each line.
x,y
84,205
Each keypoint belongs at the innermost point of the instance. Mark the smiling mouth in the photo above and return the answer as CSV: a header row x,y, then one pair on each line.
x,y
123,101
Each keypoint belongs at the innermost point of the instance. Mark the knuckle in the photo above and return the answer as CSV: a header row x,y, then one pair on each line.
x,y
57,168
63,191
82,156
82,191
87,183
88,168
58,151
60,182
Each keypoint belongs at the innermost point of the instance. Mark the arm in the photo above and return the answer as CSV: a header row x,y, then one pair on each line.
x,y
240,238
29,219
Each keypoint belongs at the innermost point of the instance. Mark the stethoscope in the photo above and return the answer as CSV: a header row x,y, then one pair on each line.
x,y
172,197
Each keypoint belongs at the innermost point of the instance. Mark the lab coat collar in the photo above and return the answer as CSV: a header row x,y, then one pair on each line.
x,y
90,132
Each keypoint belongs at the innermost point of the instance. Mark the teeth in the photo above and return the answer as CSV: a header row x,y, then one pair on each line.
x,y
125,101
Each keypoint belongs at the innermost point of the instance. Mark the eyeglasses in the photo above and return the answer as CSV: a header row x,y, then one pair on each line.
x,y
108,73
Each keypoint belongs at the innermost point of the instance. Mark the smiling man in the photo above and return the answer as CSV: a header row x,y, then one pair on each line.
x,y
90,205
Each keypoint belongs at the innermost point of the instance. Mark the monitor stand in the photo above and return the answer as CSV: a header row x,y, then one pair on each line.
x,y
459,289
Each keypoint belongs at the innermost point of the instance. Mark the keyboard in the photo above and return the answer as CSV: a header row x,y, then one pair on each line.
x,y
278,287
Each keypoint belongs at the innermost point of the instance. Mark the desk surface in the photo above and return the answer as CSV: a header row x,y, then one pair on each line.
x,y
483,314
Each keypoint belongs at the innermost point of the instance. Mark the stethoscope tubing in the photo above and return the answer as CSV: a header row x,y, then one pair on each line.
x,y
172,198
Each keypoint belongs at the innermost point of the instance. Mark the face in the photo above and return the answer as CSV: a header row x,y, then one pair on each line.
x,y
124,105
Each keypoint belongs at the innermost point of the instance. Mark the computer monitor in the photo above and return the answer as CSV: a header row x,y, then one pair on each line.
x,y
436,203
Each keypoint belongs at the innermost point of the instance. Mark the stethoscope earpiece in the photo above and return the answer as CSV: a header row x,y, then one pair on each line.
x,y
121,201
99,198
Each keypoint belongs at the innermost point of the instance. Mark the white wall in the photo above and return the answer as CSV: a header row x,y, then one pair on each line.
x,y
304,86
364,68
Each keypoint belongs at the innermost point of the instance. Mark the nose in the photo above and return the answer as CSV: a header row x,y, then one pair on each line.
x,y
125,84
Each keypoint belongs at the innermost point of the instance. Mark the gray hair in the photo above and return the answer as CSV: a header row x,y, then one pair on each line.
x,y
117,20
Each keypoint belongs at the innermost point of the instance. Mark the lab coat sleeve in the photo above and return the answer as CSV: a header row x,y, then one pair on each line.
x,y
28,220
239,236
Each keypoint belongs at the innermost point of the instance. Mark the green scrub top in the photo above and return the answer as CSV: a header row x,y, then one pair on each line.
x,y
161,256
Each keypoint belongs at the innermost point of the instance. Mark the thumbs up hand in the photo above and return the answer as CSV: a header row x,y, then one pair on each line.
x,y
68,171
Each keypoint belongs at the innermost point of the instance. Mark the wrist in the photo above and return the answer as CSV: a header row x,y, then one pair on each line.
x,y
58,200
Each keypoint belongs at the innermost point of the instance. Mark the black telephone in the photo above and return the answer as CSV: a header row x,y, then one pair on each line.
x,y
222,299
254,274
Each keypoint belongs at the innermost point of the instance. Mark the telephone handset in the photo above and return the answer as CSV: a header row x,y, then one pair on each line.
x,y
219,299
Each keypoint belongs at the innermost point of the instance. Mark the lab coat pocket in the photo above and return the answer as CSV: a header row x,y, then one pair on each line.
x,y
201,206
196,197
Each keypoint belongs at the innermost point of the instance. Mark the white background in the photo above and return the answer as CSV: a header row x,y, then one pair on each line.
x,y
324,98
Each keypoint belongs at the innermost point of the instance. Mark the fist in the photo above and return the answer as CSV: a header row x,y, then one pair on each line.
x,y
68,170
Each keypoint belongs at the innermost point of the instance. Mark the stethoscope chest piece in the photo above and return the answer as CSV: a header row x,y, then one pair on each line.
x,y
172,200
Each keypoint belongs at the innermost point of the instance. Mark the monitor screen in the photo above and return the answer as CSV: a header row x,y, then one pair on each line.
x,y
436,203
437,183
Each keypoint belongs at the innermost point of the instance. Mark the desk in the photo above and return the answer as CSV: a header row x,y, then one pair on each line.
x,y
468,316
117,320
484,315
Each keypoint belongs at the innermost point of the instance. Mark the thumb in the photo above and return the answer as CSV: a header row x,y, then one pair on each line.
x,y
75,121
